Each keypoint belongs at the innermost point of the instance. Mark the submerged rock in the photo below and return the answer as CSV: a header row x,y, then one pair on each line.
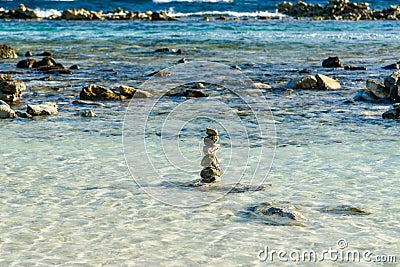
x,y
261,86
84,102
352,67
7,52
88,114
344,210
46,108
6,112
279,215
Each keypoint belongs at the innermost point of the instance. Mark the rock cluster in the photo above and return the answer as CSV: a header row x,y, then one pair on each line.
x,y
338,10
211,171
46,65
386,91
317,82
23,12
10,89
96,92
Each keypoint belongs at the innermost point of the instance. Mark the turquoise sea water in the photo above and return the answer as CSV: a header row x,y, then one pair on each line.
x,y
67,197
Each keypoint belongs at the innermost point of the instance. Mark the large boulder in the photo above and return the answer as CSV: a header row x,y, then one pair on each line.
x,y
327,83
96,92
6,111
7,52
46,108
10,89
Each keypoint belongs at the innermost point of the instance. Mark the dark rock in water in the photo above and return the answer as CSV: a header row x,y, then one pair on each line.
x,y
195,93
344,210
179,51
74,67
47,108
305,71
393,113
182,60
45,54
394,66
392,83
162,50
23,114
96,92
159,74
306,82
236,67
29,54
217,186
45,62
131,92
6,112
332,62
278,215
209,174
88,114
10,89
7,52
351,67
27,63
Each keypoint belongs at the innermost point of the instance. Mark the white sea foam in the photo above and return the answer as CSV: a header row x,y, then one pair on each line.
x,y
47,13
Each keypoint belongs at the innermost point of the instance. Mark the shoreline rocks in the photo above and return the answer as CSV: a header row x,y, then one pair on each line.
x,y
7,52
338,10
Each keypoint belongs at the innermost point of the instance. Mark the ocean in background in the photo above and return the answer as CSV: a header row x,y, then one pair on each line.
x,y
181,6
67,197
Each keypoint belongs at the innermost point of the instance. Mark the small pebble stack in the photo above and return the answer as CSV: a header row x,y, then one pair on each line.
x,y
211,171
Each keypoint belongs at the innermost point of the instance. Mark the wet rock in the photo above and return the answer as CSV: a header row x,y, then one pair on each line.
x,y
23,114
23,12
305,71
378,89
96,92
57,69
162,50
6,112
84,102
27,63
182,61
46,108
88,114
47,79
160,74
236,67
261,86
28,54
279,215
10,89
45,62
392,83
7,52
394,66
131,92
306,82
45,54
393,113
351,67
344,210
332,62
74,67
327,83
200,86
195,93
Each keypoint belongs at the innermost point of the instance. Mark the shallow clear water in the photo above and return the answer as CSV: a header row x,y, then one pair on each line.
x,y
67,197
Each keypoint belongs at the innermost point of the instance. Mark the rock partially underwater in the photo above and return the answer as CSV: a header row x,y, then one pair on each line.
x,y
216,186
283,214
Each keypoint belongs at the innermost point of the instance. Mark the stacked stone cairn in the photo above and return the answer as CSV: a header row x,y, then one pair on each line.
x,y
211,171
